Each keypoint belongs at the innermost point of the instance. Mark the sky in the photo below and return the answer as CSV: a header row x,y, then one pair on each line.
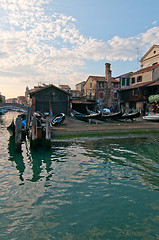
x,y
65,41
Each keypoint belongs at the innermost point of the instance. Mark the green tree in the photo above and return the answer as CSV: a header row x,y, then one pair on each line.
x,y
1,100
154,98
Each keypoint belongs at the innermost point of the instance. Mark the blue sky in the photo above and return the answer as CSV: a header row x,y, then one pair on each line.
x,y
65,41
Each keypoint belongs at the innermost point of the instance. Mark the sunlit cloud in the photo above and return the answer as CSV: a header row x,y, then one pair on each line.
x,y
36,46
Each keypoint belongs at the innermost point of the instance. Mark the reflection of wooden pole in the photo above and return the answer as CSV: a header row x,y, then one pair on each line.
x,y
34,129
18,133
48,130
48,133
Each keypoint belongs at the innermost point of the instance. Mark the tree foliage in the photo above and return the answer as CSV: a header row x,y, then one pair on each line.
x,y
153,98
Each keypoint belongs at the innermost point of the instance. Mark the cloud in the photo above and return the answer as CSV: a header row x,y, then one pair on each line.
x,y
154,22
34,44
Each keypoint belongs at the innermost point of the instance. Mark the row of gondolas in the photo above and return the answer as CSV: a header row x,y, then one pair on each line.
x,y
90,115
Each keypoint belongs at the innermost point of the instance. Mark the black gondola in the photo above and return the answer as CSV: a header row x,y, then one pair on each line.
x,y
11,128
112,116
103,117
87,117
130,116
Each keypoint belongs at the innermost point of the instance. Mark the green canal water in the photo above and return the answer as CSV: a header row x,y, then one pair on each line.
x,y
103,189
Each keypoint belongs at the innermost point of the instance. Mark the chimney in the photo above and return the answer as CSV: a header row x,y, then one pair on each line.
x,y
108,75
108,72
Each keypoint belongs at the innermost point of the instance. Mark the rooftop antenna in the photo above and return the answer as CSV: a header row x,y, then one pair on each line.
x,y
137,58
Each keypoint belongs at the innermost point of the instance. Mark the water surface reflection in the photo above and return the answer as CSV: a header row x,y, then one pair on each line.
x,y
103,189
116,159
135,159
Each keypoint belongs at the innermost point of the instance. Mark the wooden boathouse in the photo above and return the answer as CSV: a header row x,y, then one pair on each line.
x,y
50,98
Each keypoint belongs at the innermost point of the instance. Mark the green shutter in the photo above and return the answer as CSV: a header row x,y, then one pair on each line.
x,y
123,81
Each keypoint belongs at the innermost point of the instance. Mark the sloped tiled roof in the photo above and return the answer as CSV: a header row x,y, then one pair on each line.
x,y
136,86
154,83
75,91
35,89
65,86
125,75
46,87
98,78
115,80
147,69
81,82
101,79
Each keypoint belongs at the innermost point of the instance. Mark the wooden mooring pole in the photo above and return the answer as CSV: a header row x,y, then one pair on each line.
x,y
34,138
28,118
36,133
40,134
18,133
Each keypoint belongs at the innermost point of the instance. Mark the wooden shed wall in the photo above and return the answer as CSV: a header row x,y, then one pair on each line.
x,y
51,97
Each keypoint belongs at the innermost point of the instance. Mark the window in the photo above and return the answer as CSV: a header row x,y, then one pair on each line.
x,y
115,85
115,95
139,79
132,80
128,82
135,91
90,84
101,84
101,95
123,81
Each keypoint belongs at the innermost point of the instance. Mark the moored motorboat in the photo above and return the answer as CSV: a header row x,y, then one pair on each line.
x,y
151,117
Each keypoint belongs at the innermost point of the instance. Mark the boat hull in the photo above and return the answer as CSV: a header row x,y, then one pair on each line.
x,y
131,115
85,117
151,117
112,116
58,119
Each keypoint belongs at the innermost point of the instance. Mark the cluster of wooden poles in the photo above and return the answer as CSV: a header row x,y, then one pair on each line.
x,y
38,133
